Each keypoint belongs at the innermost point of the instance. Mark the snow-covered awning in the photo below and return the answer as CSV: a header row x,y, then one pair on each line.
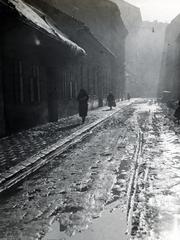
x,y
29,14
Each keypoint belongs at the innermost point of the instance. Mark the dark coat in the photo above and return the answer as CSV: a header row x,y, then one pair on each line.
x,y
111,100
83,103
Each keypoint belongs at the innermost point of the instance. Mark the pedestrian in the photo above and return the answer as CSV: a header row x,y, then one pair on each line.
x,y
83,104
128,97
111,100
177,113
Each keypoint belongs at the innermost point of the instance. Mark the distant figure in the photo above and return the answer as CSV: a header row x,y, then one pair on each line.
x,y
128,96
111,100
177,113
83,104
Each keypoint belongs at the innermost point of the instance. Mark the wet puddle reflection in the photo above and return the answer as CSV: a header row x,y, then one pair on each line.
x,y
110,226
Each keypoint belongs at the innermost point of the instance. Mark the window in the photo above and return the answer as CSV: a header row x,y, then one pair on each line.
x,y
70,90
35,96
21,82
26,83
18,82
64,86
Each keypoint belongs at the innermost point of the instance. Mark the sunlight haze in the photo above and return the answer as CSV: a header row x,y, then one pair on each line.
x,y
161,10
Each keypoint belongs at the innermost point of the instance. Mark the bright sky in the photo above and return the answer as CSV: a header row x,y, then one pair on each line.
x,y
161,10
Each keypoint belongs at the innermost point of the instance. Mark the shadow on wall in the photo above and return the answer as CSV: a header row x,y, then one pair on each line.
x,y
69,108
20,117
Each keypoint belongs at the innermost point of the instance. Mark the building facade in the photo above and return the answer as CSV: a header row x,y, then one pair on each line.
x,y
103,18
31,52
42,70
97,72
170,69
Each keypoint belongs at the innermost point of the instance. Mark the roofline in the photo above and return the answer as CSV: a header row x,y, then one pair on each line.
x,y
102,45
73,46
82,24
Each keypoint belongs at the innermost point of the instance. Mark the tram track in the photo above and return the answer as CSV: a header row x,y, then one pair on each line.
x,y
133,183
31,165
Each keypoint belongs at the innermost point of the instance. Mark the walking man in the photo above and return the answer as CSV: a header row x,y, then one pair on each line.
x,y
83,104
111,100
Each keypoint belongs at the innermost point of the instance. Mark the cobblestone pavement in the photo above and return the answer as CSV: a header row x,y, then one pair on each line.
x,y
18,147
74,187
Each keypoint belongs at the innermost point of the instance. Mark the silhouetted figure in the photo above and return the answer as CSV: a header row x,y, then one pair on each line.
x,y
177,113
128,96
83,104
111,100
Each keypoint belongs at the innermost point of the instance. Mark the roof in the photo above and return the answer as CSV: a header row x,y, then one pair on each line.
x,y
70,25
106,12
101,45
130,14
104,47
33,17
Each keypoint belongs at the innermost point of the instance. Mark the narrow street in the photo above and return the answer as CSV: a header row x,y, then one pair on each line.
x,y
104,187
89,120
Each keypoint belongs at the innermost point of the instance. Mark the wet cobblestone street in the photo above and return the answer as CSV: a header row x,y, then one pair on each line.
x,y
73,188
81,193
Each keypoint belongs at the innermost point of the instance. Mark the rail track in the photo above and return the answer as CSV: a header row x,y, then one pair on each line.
x,y
133,183
31,165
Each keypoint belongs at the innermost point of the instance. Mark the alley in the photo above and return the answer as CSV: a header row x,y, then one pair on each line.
x,y
99,184
89,120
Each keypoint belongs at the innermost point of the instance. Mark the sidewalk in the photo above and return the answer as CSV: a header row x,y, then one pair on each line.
x,y
17,148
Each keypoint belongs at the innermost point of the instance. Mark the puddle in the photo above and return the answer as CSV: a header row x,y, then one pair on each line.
x,y
110,226
112,223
